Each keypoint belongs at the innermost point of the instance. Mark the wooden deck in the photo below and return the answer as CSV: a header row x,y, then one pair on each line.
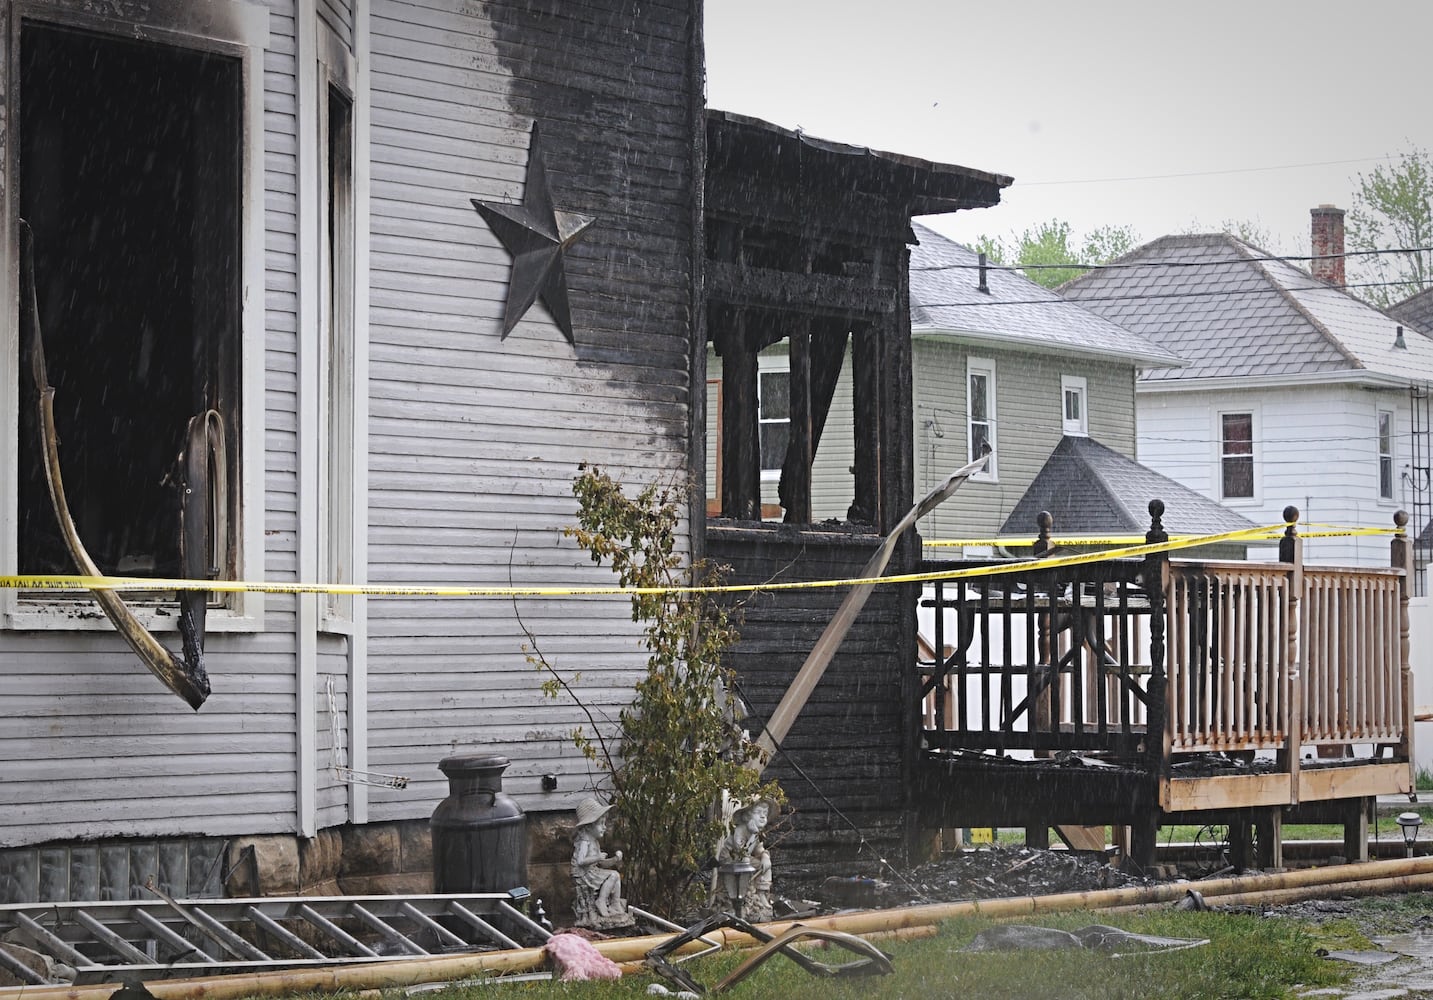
x,y
1271,690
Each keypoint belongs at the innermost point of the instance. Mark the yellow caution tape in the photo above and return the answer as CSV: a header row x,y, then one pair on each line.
x,y
123,584
1023,542
1271,533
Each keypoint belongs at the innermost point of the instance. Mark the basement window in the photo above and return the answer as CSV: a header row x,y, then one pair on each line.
x,y
133,168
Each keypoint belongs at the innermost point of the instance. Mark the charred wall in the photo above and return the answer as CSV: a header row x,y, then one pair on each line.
x,y
844,758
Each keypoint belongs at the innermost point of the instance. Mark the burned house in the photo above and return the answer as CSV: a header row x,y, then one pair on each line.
x,y
346,292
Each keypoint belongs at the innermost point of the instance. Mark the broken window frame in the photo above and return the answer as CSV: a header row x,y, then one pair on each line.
x,y
236,30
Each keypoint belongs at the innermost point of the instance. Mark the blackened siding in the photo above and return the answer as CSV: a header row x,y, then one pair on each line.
x,y
849,738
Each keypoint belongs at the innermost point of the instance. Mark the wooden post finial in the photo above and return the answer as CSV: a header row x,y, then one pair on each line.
x,y
1291,534
1156,532
1045,522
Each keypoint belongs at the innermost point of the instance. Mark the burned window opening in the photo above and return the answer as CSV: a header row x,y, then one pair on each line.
x,y
129,156
183,674
338,361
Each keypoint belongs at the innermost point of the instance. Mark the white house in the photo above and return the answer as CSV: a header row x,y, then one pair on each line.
x,y
1295,392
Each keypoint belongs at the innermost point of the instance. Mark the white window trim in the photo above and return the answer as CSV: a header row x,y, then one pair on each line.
x,y
236,29
1075,384
986,367
1392,498
1217,434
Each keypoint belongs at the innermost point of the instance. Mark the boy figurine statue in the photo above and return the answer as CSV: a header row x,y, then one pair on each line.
x,y
744,843
598,903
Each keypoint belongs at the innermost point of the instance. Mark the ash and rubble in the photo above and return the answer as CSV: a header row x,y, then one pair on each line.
x,y
982,873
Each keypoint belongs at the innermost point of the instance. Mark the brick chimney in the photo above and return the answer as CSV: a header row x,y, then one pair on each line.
x,y
1326,240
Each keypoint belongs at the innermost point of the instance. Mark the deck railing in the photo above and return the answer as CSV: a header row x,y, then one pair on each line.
x,y
1229,669
1260,657
1352,675
1045,660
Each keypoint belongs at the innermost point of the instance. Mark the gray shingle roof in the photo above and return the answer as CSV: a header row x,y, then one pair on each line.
x,y
1088,487
1206,298
945,300
1416,311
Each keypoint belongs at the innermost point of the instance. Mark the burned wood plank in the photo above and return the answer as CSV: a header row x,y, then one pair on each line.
x,y
817,214
814,294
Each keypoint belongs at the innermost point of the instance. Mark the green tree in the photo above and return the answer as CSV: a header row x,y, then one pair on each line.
x,y
679,745
1251,231
1048,253
1392,208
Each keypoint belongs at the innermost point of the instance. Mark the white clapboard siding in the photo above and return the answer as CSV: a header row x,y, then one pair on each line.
x,y
338,16
332,790
474,439
1315,447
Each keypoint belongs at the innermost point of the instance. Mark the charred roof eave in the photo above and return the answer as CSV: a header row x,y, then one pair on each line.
x,y
930,188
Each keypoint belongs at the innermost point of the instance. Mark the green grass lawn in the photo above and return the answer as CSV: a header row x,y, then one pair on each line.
x,y
1247,958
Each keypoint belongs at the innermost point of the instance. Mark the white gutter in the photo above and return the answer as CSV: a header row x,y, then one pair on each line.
x,y
1031,345
1358,376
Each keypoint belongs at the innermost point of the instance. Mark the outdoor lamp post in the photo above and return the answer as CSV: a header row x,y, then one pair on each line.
x,y
735,877
1409,823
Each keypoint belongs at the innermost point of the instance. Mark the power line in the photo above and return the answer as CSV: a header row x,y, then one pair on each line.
x,y
1205,173
1122,265
1143,296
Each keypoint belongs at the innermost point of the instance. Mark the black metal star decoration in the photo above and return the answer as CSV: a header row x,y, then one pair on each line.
x,y
537,236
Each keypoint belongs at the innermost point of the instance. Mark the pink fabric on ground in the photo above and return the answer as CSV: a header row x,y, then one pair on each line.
x,y
574,957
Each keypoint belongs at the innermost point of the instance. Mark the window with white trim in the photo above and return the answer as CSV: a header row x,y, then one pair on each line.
x,y
980,411
1236,456
1075,420
774,406
1385,454
138,166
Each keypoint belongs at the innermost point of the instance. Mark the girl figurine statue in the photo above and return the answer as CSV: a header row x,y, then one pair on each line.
x,y
598,903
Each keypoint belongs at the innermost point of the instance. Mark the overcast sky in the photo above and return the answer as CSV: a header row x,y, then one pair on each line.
x,y
1273,106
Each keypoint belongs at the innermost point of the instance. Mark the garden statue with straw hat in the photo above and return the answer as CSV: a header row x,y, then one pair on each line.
x,y
598,904
743,843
